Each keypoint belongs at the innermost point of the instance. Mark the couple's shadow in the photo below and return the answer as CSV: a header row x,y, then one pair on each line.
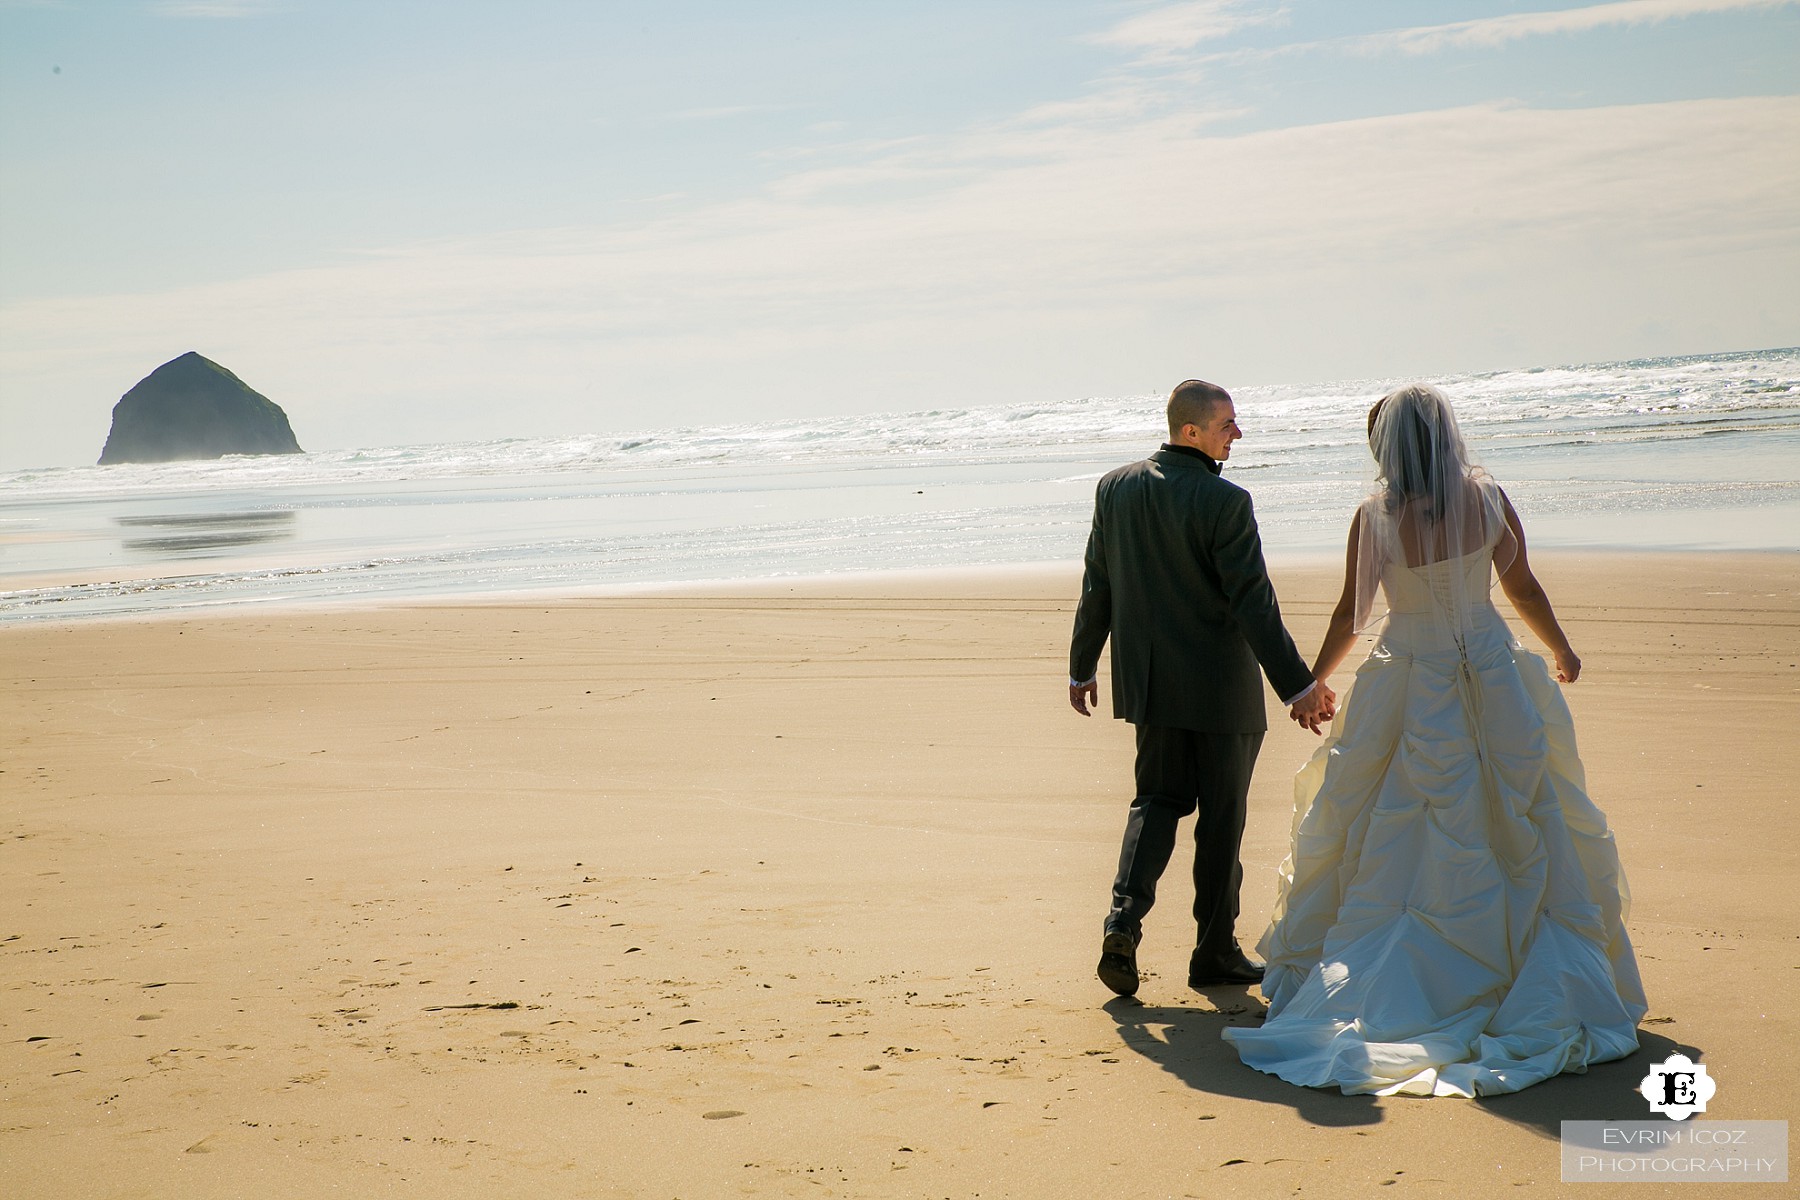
x,y
1185,1042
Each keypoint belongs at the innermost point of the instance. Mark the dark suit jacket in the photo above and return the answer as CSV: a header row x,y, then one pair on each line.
x,y
1175,576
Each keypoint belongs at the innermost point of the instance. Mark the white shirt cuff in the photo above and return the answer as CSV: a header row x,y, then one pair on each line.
x,y
1299,696
1073,682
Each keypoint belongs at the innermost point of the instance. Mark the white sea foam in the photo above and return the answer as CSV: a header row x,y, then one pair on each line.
x,y
1640,401
1654,452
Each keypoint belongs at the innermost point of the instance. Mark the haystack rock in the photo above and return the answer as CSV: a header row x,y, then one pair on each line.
x,y
191,407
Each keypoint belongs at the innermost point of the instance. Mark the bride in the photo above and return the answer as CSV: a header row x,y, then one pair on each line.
x,y
1451,916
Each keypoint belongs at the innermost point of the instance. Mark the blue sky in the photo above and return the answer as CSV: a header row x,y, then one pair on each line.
x,y
435,221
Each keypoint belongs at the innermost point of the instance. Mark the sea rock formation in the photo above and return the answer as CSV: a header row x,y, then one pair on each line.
x,y
191,407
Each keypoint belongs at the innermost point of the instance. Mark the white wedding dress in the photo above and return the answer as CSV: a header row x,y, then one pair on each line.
x,y
1451,917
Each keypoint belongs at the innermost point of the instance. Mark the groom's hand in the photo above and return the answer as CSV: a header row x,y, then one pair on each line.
x,y
1315,708
1083,694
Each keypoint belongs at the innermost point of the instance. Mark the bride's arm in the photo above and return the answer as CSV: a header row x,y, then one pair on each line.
x,y
1533,606
1339,635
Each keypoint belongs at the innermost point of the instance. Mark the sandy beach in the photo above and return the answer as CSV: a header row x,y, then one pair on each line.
x,y
788,889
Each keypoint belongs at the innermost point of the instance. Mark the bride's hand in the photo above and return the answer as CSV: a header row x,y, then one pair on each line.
x,y
1568,667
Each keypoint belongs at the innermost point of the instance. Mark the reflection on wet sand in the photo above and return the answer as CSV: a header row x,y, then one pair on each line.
x,y
188,536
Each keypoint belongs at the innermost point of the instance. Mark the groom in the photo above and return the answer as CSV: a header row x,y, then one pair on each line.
x,y
1175,576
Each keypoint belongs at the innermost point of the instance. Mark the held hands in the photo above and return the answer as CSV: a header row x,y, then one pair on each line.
x,y
1083,694
1312,711
1315,708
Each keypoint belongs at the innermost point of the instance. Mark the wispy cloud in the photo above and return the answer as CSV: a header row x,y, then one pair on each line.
x,y
1174,28
1497,31
1164,57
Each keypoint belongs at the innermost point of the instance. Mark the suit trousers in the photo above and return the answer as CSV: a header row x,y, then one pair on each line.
x,y
1182,771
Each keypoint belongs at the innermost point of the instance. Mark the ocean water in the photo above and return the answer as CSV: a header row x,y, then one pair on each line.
x,y
1690,453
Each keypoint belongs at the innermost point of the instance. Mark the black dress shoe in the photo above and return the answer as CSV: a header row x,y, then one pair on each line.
x,y
1214,970
1118,963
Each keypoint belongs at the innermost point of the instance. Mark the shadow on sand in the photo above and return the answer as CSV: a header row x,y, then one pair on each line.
x,y
1607,1092
1185,1042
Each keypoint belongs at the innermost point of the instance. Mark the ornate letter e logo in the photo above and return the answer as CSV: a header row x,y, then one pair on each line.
x,y
1678,1087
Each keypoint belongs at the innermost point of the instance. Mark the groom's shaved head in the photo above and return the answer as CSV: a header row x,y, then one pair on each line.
x,y
1192,403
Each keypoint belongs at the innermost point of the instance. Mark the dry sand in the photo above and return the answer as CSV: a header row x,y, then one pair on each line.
x,y
787,891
